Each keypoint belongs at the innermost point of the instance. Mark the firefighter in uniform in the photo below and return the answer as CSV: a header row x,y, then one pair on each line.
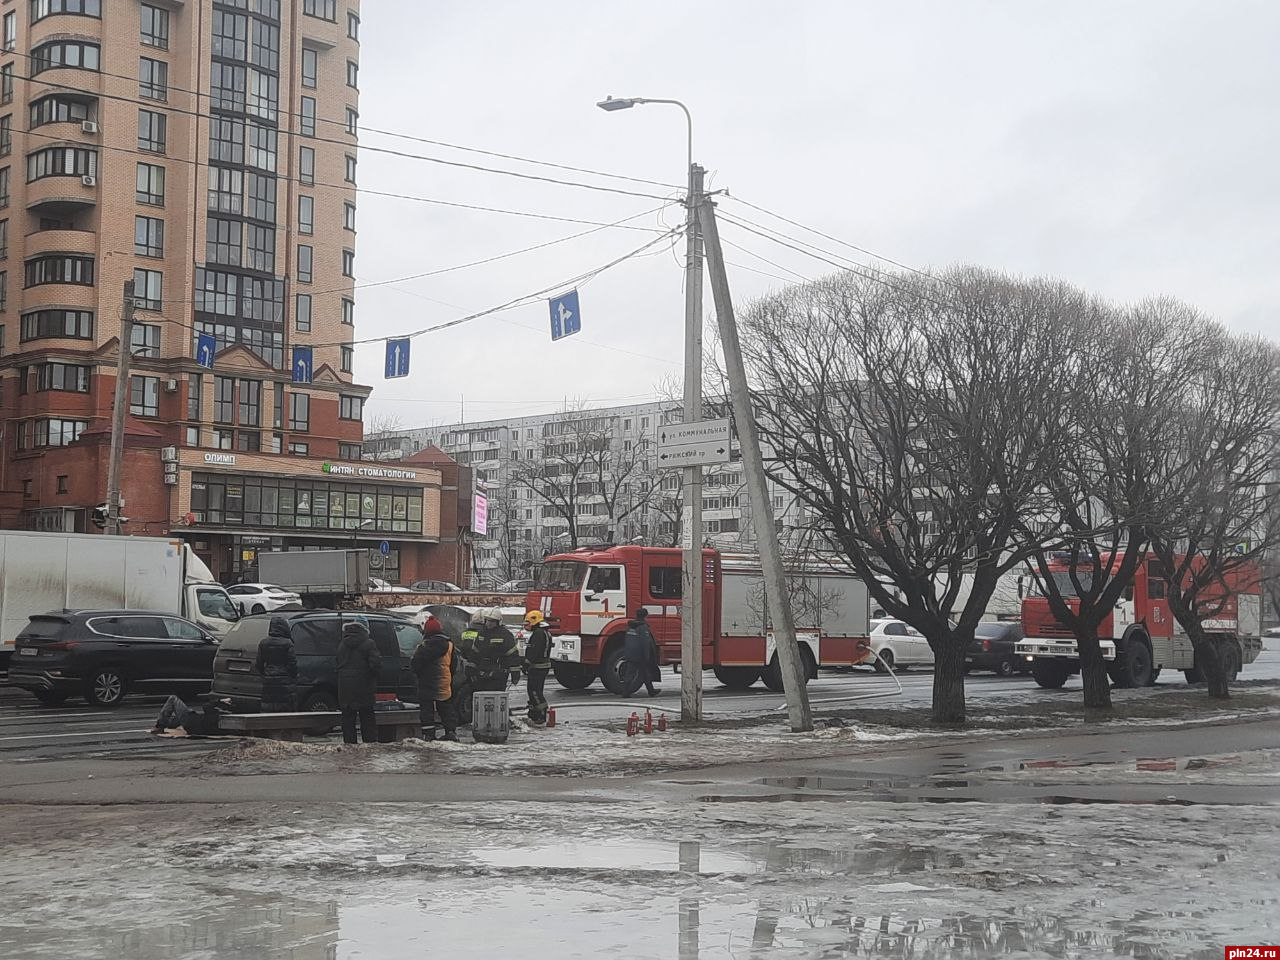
x,y
492,651
537,656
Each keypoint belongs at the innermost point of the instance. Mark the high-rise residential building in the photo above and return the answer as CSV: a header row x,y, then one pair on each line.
x,y
205,150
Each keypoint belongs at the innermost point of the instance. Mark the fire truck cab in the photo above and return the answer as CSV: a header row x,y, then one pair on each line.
x,y
1140,637
588,596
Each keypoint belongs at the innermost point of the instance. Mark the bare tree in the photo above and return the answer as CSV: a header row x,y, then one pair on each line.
x,y
913,417
1223,455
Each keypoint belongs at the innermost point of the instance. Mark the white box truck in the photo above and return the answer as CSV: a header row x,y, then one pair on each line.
x,y
323,578
40,572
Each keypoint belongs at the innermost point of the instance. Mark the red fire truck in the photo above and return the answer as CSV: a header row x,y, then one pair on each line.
x,y
1140,637
589,595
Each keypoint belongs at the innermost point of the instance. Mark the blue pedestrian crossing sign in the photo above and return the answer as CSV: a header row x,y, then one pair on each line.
x,y
302,367
206,347
397,358
566,315
384,548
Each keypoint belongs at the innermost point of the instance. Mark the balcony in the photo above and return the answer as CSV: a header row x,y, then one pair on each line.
x,y
49,193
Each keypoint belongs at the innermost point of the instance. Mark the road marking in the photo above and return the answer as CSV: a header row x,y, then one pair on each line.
x,y
58,736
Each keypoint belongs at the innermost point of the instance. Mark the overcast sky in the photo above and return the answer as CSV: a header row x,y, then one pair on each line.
x,y
1132,148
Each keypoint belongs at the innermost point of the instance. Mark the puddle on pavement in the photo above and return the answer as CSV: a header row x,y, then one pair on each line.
x,y
623,855
875,796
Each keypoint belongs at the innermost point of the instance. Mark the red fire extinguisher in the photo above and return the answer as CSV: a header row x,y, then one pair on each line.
x,y
551,716
648,721
662,723
633,724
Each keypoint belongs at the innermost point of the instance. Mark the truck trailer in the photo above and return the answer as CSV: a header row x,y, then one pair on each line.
x,y
323,578
589,595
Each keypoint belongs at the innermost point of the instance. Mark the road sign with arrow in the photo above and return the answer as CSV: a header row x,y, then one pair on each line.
x,y
397,358
703,442
566,315
302,366
206,347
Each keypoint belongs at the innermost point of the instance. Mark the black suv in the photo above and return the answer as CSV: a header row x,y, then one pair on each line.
x,y
104,654
315,643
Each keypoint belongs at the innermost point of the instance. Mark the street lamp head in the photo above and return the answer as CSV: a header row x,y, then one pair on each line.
x,y
621,103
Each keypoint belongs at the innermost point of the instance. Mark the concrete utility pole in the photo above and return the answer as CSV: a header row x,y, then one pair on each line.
x,y
119,411
775,584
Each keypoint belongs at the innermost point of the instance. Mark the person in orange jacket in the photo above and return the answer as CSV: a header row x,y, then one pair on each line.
x,y
432,664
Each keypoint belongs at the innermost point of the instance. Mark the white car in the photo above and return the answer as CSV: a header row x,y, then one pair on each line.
x,y
253,598
899,645
381,586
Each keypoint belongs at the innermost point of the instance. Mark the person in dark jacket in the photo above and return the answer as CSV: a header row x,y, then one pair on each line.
x,y
278,666
193,721
640,651
433,666
537,656
358,666
492,651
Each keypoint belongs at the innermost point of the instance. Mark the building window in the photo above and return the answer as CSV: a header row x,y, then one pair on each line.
x,y
266,43
264,95
193,436
323,9
28,490
307,166
351,169
144,339
227,86
348,354
353,75
251,403
310,67
262,248
349,216
249,441
226,190
277,413
305,255
226,140
57,325
351,408
61,162
57,432
350,451
262,148
262,197
148,236
4,239
348,263
153,79
230,35
62,482
224,392
57,108
353,25
144,396
302,315
6,135
307,117
195,391
10,31
6,83
147,286
4,289
47,8
299,449
59,268
223,241
151,131
72,54
150,184
65,377
300,412
353,121
155,27
306,214
348,312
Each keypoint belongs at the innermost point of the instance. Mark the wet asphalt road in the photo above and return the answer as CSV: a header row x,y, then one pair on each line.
x,y
29,731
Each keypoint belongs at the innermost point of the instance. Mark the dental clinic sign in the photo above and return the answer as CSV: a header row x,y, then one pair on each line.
x,y
369,473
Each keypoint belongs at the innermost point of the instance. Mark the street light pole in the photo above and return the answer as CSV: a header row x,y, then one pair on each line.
x,y
115,463
691,601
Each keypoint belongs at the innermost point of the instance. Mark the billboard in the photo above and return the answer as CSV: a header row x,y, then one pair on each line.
x,y
480,514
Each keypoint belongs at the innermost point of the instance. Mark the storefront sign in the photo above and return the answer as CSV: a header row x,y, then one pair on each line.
x,y
480,514
223,459
379,473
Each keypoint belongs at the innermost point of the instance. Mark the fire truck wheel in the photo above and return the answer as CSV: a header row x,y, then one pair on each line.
x,y
1133,668
573,676
1050,674
1231,661
772,674
1194,675
611,673
737,678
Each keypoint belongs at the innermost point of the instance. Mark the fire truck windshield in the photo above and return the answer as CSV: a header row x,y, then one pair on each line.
x,y
562,575
1062,580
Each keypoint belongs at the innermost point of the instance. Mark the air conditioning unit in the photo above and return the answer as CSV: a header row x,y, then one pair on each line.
x,y
89,127
171,386
89,181
169,455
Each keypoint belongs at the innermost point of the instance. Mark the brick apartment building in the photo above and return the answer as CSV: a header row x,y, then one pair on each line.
x,y
207,151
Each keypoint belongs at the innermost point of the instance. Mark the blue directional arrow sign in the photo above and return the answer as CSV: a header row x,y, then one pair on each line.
x,y
206,346
302,365
397,358
566,316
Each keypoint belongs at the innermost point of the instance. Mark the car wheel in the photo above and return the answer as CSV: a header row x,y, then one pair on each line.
x,y
320,701
1005,667
50,698
258,608
884,662
737,678
106,688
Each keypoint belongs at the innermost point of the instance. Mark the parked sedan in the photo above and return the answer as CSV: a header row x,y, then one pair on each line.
x,y
434,586
261,597
992,649
515,586
898,644
103,655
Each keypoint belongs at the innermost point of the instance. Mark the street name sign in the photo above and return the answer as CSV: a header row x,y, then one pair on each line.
x,y
701,443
